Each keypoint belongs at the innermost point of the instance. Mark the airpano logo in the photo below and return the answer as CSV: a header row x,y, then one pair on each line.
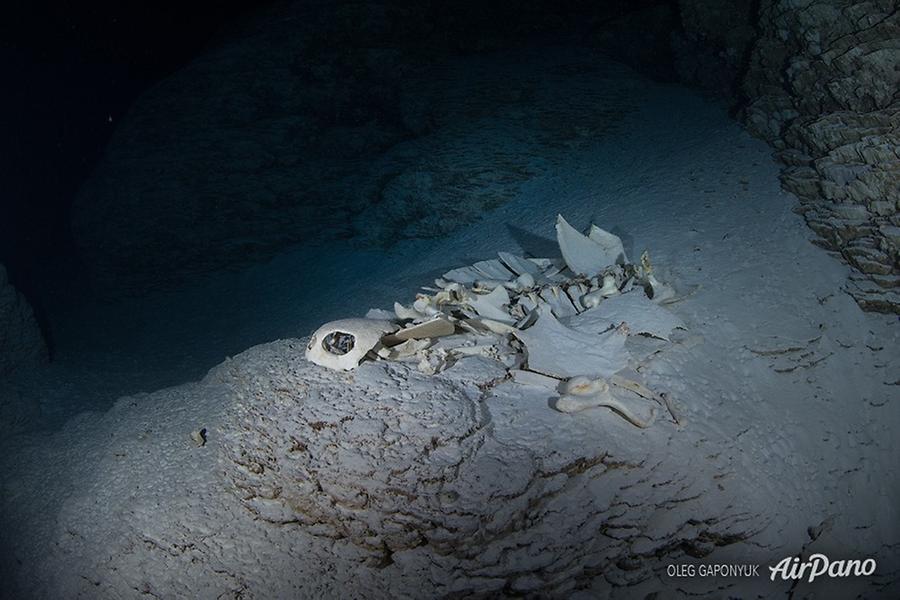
x,y
818,565
788,568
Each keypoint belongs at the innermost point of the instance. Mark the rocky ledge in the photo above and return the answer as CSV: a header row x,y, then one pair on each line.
x,y
21,343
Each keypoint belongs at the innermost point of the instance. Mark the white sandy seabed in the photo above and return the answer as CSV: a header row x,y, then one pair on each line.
x,y
389,483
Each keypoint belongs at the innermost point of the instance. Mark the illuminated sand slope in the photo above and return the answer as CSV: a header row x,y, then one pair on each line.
x,y
387,482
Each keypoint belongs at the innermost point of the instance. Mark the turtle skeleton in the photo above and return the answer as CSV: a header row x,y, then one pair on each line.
x,y
517,310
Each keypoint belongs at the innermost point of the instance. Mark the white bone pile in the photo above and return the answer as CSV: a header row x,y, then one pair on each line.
x,y
556,319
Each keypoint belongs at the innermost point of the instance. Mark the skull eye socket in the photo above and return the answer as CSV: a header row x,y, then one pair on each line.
x,y
338,343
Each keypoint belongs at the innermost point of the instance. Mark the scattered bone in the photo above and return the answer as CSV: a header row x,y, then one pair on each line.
x,y
498,327
609,288
644,392
610,243
658,292
379,313
199,437
531,378
403,313
520,266
492,305
556,350
438,327
586,256
558,301
642,315
403,350
525,281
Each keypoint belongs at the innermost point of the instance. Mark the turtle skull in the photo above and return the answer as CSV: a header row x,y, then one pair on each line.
x,y
341,345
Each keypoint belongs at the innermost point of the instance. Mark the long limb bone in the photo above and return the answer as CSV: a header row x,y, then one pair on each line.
x,y
642,391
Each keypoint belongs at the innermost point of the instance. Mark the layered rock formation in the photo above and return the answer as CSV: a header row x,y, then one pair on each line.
x,y
21,343
824,88
821,82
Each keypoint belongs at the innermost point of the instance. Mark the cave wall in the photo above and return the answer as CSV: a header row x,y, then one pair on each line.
x,y
272,138
21,342
818,80
204,172
823,86
711,43
821,82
